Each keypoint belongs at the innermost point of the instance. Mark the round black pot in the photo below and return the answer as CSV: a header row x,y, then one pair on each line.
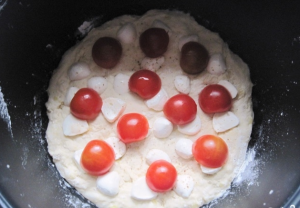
x,y
35,34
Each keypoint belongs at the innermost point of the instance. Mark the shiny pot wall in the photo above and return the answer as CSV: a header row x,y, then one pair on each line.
x,y
35,34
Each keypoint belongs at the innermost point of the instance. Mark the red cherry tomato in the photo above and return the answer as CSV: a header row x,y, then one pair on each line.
x,y
180,109
161,176
86,104
132,127
145,83
210,151
215,98
97,157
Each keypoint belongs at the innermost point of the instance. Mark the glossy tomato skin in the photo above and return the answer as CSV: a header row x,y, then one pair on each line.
x,y
180,109
215,98
161,176
132,127
97,157
210,151
86,104
145,83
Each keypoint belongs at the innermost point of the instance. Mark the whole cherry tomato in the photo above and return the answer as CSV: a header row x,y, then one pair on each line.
x,y
86,104
132,127
180,109
194,58
161,176
215,98
145,83
154,42
210,151
107,52
97,157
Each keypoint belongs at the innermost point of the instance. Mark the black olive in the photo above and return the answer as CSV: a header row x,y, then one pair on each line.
x,y
154,42
194,58
107,52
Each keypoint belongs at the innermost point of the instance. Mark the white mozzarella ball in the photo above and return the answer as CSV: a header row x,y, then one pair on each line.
x,y
184,148
210,171
184,185
118,146
216,64
77,157
156,154
127,33
191,128
108,184
162,127
121,83
70,94
225,121
99,84
159,24
141,191
231,89
73,126
158,101
182,84
152,64
79,70
112,108
185,39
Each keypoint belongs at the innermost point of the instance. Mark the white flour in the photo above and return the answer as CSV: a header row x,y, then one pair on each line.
x,y
87,26
4,113
3,3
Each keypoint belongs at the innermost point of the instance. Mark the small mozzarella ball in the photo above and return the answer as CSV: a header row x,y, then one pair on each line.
x,y
225,121
70,94
73,126
77,158
106,52
152,64
162,127
159,24
191,128
118,146
141,191
184,185
79,70
121,83
185,39
210,171
194,58
158,101
99,84
108,184
232,90
112,108
156,154
127,33
182,84
184,147
216,64
154,42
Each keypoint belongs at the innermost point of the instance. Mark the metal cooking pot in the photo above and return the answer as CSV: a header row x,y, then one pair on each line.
x,y
35,34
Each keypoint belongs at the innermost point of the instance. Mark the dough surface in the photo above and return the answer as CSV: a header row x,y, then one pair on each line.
x,y
133,165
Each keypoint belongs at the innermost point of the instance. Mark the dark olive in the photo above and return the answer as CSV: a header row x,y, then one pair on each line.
x,y
107,52
194,58
154,42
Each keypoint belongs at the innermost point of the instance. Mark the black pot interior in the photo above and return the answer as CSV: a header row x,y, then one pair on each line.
x,y
35,34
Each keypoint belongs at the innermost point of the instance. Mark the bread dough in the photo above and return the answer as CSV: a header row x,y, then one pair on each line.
x,y
133,164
